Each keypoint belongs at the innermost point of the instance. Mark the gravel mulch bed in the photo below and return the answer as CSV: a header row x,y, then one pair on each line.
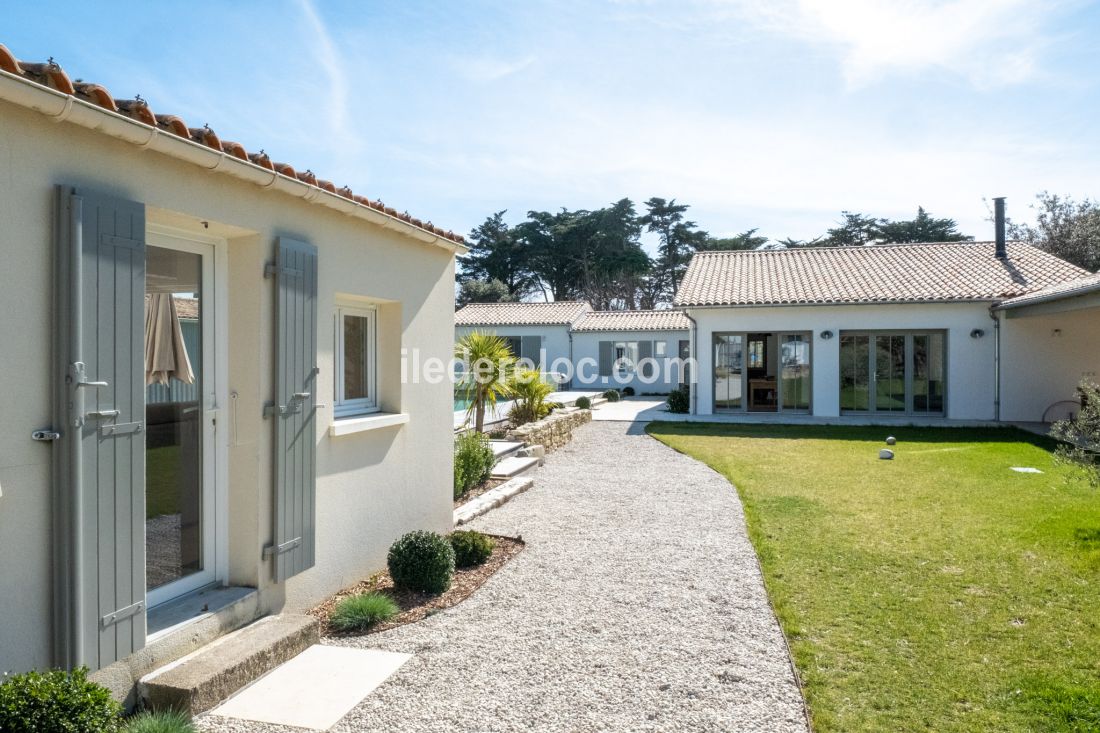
x,y
478,490
637,605
416,605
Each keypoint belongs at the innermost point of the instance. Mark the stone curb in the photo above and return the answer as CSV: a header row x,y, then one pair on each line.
x,y
492,498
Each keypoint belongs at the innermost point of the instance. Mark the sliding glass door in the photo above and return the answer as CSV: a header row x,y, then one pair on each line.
x,y
901,373
729,358
762,372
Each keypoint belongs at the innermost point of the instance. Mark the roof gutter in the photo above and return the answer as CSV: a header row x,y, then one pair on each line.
x,y
60,107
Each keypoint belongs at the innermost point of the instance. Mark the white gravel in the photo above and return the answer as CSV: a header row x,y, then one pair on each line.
x,y
637,605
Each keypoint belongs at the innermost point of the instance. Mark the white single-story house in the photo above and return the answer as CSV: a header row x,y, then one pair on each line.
x,y
202,354
975,331
595,350
540,332
636,349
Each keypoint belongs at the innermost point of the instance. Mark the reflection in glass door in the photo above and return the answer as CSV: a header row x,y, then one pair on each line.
x,y
794,387
890,373
178,437
729,356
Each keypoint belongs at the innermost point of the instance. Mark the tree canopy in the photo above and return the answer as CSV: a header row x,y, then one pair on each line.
x,y
597,254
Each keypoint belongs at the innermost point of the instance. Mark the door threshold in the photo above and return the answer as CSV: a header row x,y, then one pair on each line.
x,y
169,617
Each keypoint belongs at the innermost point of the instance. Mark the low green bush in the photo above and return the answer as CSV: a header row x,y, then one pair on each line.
x,y
57,702
679,399
165,721
611,395
583,403
473,461
628,391
422,561
357,613
471,548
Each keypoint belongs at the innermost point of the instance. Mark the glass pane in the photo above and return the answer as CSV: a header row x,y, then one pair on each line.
x,y
794,355
890,373
728,365
855,373
356,373
928,372
174,315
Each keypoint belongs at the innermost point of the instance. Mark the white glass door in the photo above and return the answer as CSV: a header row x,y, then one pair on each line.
x,y
180,396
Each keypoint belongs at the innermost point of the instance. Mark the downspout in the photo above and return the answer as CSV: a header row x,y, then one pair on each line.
x,y
572,365
692,339
996,365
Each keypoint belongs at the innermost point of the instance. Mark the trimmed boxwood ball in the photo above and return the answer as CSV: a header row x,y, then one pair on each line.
x,y
679,400
583,403
612,395
422,561
471,548
57,702
628,391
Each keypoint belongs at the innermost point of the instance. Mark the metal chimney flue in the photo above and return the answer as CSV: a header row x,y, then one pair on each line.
x,y
999,227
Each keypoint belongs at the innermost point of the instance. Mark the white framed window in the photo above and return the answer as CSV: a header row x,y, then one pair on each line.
x,y
659,348
626,356
356,361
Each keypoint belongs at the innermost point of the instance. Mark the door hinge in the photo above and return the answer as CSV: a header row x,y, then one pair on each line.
x,y
270,550
122,614
271,270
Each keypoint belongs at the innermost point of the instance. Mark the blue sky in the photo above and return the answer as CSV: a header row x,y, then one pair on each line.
x,y
763,114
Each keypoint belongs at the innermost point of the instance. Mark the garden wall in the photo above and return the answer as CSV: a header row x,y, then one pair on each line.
x,y
553,431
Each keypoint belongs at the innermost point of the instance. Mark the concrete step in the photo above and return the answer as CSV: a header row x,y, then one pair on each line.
x,y
513,466
211,674
504,448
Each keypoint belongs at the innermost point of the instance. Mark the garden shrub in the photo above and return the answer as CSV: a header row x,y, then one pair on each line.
x,y
164,721
57,702
679,399
1080,436
471,548
422,561
628,391
583,403
529,390
612,395
473,461
362,611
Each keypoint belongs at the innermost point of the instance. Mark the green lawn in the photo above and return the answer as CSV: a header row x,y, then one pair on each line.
x,y
939,591
162,467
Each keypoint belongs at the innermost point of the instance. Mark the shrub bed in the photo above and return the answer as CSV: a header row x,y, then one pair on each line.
x,y
422,561
473,461
471,548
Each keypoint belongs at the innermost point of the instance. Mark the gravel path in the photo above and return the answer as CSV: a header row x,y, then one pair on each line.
x,y
637,605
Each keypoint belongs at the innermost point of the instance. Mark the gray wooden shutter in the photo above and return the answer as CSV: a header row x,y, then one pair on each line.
x,y
530,347
645,351
606,348
99,507
294,410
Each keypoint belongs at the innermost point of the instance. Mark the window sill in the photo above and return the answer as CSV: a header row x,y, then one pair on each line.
x,y
349,425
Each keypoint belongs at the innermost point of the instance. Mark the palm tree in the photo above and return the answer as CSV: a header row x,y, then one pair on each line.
x,y
488,360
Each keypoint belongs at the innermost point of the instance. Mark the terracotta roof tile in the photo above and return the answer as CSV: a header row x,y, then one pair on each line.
x,y
561,313
1071,289
917,273
50,74
657,320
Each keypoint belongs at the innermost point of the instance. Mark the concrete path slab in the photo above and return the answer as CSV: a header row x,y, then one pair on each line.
x,y
314,689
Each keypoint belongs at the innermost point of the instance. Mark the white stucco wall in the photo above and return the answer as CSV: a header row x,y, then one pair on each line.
x,y
372,486
586,345
1044,358
555,339
970,362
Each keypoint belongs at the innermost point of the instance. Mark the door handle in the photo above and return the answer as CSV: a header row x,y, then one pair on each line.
x,y
97,385
103,414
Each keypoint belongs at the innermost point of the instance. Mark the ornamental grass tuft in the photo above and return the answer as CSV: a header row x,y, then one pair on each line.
x,y
358,613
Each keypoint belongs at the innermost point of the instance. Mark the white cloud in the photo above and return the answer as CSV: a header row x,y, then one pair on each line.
x,y
326,54
989,42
